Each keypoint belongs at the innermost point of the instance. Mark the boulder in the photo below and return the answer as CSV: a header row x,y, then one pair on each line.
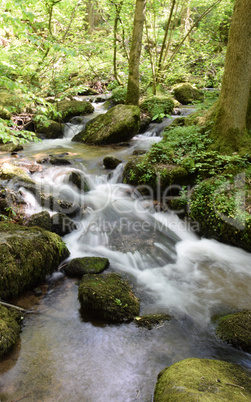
x,y
79,181
151,321
119,124
108,296
49,130
157,107
41,219
86,265
185,93
11,148
62,224
10,327
71,108
27,256
110,162
202,380
9,172
236,330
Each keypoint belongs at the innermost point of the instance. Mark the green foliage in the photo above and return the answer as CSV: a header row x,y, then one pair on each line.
x,y
157,106
119,95
8,134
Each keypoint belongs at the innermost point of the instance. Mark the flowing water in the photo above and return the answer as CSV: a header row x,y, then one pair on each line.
x,y
65,357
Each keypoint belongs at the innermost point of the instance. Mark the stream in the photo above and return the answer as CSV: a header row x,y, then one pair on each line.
x,y
65,357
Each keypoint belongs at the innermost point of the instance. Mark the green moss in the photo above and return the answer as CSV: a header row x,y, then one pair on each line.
x,y
50,130
27,256
8,172
185,93
86,265
157,106
236,330
9,329
108,296
119,124
203,380
69,109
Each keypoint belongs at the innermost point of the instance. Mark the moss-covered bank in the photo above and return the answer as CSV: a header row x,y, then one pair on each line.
x,y
203,380
27,256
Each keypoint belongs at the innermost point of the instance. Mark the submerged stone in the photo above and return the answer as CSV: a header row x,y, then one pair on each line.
x,y
202,380
236,330
27,256
86,265
150,321
119,124
10,327
108,296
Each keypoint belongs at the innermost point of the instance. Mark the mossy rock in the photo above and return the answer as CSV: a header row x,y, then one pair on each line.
x,y
86,265
150,321
79,180
203,380
8,172
4,113
185,93
71,108
119,124
41,219
236,330
62,224
15,102
50,130
11,148
10,326
27,256
110,162
109,297
157,106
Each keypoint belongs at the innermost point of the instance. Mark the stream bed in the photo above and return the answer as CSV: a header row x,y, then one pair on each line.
x,y
65,357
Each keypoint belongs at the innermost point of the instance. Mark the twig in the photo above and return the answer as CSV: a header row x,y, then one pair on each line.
x,y
12,306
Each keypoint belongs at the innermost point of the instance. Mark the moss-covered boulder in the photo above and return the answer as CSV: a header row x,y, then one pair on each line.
x,y
111,162
108,296
41,219
62,224
86,265
203,380
157,107
119,124
10,327
15,102
11,148
79,180
49,130
71,108
185,93
236,330
27,256
9,172
150,321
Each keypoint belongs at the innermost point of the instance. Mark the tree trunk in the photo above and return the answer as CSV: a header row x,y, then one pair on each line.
x,y
231,118
248,119
132,96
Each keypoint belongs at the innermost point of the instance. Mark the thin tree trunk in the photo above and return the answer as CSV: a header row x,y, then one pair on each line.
x,y
132,96
231,118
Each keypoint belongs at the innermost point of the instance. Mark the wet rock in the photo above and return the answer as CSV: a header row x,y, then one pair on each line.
x,y
59,161
31,167
108,296
62,224
110,162
86,265
9,171
150,321
185,93
119,124
137,152
11,148
10,326
71,108
27,256
203,380
79,181
50,130
235,329
41,219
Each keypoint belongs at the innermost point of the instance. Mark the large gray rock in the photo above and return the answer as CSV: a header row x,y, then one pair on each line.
x,y
119,124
